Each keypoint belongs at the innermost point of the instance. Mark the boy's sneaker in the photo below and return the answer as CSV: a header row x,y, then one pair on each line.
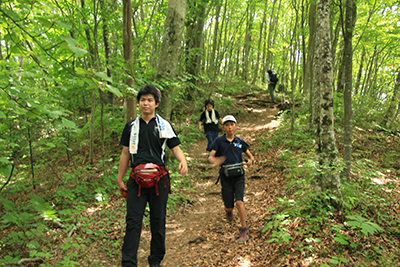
x,y
244,234
229,215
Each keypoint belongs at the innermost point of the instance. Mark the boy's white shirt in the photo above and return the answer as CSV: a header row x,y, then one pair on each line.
x,y
164,127
213,117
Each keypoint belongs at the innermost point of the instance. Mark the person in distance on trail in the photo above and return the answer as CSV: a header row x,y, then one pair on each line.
x,y
144,141
210,118
272,79
226,151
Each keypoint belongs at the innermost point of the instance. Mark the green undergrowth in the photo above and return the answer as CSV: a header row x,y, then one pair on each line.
x,y
70,210
365,232
69,218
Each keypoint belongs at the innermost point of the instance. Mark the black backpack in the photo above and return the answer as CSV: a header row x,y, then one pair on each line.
x,y
272,76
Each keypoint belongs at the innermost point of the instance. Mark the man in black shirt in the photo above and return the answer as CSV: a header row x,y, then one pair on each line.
x,y
144,141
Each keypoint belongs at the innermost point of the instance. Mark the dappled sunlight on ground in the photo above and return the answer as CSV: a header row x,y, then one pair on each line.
x,y
244,262
258,119
206,184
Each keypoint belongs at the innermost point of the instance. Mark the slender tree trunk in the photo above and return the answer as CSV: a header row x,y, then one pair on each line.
x,y
293,45
269,38
194,37
327,179
215,37
260,38
348,111
371,73
128,57
335,39
394,102
170,51
94,52
247,42
360,69
303,44
340,73
309,74
221,50
107,50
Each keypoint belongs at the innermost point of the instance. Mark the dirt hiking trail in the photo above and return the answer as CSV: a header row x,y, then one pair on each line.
x,y
199,234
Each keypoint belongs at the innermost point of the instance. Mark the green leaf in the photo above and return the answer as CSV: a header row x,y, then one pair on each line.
x,y
114,90
69,40
46,5
55,114
33,244
334,261
2,115
92,86
11,14
51,145
103,76
5,169
341,240
81,71
370,228
67,123
64,25
33,113
78,51
13,37
45,22
353,245
72,44
19,50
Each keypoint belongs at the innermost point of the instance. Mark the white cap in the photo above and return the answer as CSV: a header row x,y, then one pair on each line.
x,y
228,118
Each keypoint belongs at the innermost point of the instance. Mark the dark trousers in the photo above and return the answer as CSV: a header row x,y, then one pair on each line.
x,y
135,210
211,136
271,88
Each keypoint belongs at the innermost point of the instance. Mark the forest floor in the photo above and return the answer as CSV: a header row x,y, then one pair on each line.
x,y
198,234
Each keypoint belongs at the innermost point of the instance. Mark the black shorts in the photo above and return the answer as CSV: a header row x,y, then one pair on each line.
x,y
232,189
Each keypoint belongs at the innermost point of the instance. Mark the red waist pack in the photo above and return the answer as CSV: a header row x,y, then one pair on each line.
x,y
148,175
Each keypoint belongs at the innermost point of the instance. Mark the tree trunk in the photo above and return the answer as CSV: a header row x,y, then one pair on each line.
x,y
388,118
94,52
128,57
107,50
269,38
221,49
358,81
309,74
260,37
247,42
327,179
293,64
215,38
194,37
348,86
170,51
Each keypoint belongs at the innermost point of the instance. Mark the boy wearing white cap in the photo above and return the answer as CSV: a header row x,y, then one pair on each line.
x,y
226,151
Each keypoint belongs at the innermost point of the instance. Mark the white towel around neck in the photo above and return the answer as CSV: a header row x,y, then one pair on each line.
x,y
213,117
164,127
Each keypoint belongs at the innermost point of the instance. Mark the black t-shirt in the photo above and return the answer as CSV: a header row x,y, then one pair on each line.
x,y
150,144
209,127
